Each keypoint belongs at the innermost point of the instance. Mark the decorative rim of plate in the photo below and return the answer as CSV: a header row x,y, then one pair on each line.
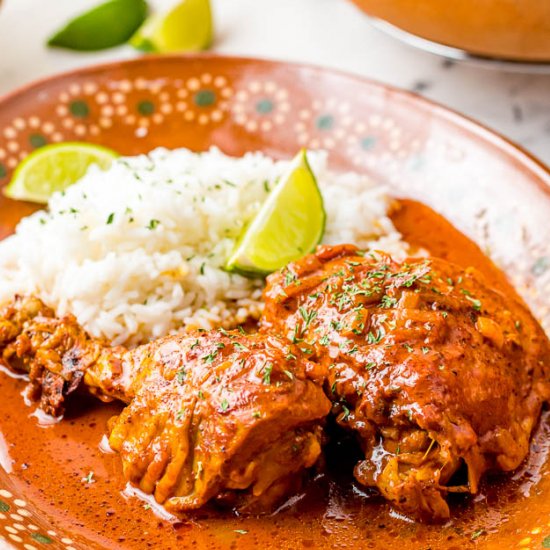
x,y
467,123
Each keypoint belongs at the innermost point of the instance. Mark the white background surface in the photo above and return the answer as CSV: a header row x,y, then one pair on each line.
x,y
332,33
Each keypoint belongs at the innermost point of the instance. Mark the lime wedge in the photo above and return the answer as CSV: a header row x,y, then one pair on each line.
x,y
186,27
105,26
54,168
290,224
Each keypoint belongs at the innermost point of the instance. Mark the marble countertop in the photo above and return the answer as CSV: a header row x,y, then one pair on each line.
x,y
332,33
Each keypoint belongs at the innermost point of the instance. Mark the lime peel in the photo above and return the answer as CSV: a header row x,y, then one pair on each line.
x,y
186,27
54,168
289,224
105,26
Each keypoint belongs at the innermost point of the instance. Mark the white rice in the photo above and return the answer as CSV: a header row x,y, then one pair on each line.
x,y
137,251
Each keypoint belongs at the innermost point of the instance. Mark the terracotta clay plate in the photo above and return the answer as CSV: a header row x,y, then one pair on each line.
x,y
493,193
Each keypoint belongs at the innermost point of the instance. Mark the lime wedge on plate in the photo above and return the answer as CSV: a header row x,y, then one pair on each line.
x,y
186,27
54,168
290,224
105,26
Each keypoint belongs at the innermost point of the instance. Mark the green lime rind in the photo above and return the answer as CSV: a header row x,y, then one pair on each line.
x,y
143,39
55,167
187,27
105,26
289,225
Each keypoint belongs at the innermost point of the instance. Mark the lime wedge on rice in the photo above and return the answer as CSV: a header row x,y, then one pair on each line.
x,y
186,27
54,168
105,26
290,224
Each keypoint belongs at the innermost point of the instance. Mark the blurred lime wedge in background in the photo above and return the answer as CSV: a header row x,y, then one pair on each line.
x,y
105,26
289,224
54,168
186,27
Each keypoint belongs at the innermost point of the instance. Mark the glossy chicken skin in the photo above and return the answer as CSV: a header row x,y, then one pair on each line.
x,y
217,415
426,364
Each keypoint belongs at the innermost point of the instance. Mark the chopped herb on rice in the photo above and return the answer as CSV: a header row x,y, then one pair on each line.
x,y
142,253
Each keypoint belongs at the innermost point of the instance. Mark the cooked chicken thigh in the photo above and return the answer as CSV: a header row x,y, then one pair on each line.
x,y
211,415
427,365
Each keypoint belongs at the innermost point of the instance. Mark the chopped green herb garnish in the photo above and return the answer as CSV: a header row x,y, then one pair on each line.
x,y
180,376
224,405
89,478
477,534
388,302
267,373
295,339
476,304
289,277
110,218
210,357
373,338
240,347
307,315
346,413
